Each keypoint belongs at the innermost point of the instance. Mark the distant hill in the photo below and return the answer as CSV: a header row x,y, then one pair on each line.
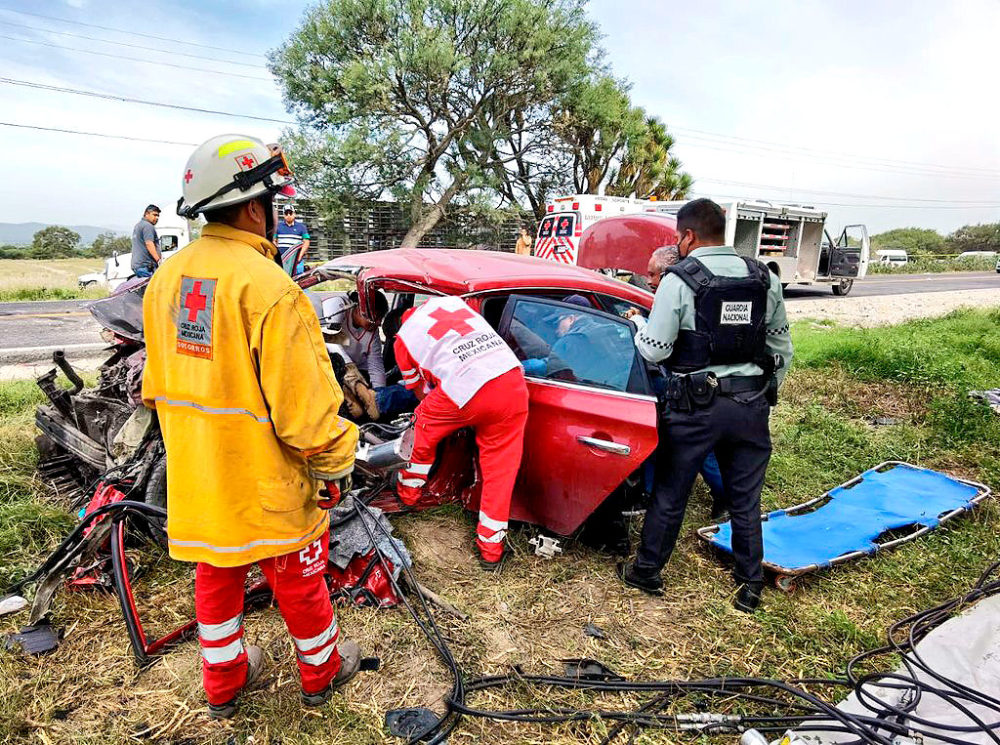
x,y
21,233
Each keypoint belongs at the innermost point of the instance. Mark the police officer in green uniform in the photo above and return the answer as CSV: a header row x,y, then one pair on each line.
x,y
719,329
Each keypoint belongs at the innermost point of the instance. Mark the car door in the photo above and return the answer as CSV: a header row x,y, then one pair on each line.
x,y
592,416
849,255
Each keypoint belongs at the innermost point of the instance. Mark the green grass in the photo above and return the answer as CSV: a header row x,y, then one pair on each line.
x,y
936,266
27,294
913,378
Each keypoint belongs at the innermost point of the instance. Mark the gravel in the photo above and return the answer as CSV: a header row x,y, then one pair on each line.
x,y
885,310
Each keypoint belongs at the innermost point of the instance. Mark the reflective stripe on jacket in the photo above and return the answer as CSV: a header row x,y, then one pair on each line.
x,y
246,398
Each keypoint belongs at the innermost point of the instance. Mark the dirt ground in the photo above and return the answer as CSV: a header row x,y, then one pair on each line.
x,y
885,310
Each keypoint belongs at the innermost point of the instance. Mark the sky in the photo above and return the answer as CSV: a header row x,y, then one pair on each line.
x,y
880,113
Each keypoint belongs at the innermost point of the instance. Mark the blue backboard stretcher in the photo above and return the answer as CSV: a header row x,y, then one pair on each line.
x,y
846,523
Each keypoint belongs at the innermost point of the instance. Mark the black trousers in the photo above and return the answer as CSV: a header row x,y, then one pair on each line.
x,y
741,438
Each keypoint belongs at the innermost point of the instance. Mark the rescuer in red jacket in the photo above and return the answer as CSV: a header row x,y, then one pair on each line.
x,y
466,376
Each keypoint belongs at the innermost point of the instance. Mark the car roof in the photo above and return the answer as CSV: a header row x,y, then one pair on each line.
x,y
466,271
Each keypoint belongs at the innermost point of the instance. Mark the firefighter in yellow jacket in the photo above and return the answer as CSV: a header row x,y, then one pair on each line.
x,y
247,404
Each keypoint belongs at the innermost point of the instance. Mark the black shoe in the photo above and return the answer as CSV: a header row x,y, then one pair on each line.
x,y
720,511
748,597
494,566
651,584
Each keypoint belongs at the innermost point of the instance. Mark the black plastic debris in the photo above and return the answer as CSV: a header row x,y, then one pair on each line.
x,y
370,664
37,639
595,631
587,669
409,722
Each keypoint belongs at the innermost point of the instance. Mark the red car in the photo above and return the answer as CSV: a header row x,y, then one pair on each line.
x,y
592,422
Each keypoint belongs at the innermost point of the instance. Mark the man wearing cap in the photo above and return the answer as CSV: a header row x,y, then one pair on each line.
x,y
146,243
248,444
292,239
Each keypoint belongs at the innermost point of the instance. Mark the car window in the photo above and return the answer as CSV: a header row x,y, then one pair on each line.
x,y
617,306
564,226
545,229
558,341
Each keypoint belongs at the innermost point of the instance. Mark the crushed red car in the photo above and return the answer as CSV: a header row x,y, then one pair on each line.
x,y
587,435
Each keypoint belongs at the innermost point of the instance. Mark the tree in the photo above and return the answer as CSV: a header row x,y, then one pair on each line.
x,y
984,237
648,169
917,242
615,147
8,251
106,244
54,242
416,98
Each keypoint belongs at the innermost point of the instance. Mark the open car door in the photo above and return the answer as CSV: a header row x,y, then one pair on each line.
x,y
592,417
849,255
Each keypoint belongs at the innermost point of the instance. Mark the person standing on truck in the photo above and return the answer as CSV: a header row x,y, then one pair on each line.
x,y
292,239
466,376
718,325
146,243
247,403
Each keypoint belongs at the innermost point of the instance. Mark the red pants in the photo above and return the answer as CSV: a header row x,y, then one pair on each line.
x,y
498,413
297,581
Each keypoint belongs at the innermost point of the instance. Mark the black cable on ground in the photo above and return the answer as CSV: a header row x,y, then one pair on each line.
x,y
805,711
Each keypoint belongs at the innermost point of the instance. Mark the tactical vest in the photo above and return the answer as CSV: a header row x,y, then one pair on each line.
x,y
730,318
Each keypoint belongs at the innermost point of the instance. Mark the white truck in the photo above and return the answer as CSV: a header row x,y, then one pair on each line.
x,y
118,269
790,239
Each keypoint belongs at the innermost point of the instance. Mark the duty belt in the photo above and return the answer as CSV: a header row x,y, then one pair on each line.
x,y
740,384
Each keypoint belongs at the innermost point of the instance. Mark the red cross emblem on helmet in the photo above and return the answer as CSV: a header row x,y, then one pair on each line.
x,y
246,161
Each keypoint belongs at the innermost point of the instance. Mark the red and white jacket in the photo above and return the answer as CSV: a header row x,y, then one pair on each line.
x,y
445,343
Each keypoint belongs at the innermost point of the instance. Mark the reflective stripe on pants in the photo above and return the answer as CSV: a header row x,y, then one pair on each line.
x,y
498,413
299,587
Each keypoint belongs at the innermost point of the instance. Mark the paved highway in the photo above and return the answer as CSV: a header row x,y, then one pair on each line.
x,y
901,284
32,331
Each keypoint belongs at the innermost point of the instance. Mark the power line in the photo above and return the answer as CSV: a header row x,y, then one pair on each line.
x,y
136,46
125,99
132,32
135,59
813,203
838,162
96,134
976,202
830,153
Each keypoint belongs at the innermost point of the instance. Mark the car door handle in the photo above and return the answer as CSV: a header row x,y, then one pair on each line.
x,y
612,447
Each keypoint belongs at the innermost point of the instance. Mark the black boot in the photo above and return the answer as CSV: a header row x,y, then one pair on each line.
x,y
748,597
645,582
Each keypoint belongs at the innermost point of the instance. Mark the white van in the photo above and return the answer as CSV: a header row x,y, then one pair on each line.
x,y
892,256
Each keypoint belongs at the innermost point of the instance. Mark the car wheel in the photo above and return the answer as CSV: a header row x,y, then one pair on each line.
x,y
843,287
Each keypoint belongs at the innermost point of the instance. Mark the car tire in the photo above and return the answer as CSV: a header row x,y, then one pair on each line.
x,y
843,287
89,283
156,487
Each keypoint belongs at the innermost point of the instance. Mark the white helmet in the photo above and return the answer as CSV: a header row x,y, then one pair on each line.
x,y
230,169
